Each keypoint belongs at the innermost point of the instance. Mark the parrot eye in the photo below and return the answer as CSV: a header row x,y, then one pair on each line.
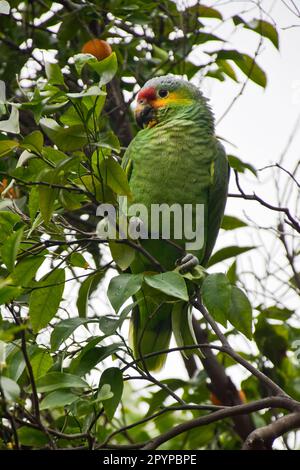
x,y
163,93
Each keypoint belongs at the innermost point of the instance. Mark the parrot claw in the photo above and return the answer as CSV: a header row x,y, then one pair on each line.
x,y
187,263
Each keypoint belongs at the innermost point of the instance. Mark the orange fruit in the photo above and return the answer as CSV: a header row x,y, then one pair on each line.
x,y
98,48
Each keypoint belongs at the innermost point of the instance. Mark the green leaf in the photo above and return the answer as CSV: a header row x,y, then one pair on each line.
x,y
76,259
47,194
230,222
7,146
41,363
109,324
252,70
277,313
91,91
232,273
63,330
7,294
104,393
216,295
33,202
272,340
69,200
25,270
106,68
122,254
122,287
262,27
31,437
109,140
90,357
240,312
10,388
83,297
54,155
246,64
240,166
157,400
66,138
208,12
57,380
10,248
80,60
34,142
54,74
227,69
115,177
170,283
113,377
11,124
228,252
159,53
266,29
84,292
45,299
58,399
8,221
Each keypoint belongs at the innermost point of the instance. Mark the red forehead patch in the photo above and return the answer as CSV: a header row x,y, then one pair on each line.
x,y
147,94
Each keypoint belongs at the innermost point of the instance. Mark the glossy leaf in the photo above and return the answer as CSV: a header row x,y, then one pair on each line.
x,y
57,399
7,146
231,222
170,283
43,305
63,330
106,68
10,388
54,73
57,380
228,252
34,142
31,437
10,248
122,287
240,312
115,177
41,363
114,378
216,294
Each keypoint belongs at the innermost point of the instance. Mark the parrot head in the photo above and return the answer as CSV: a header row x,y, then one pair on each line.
x,y
162,95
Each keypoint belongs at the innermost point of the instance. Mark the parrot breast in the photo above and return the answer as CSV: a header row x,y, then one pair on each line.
x,y
172,165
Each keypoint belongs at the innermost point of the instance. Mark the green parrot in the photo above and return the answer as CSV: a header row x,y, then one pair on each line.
x,y
175,159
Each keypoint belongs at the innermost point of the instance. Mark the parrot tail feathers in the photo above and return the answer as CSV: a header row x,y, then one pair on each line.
x,y
149,335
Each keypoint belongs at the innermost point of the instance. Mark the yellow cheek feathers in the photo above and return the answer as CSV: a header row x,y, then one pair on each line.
x,y
172,98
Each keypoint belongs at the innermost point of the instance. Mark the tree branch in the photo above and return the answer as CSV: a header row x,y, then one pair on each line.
x,y
253,197
273,402
263,438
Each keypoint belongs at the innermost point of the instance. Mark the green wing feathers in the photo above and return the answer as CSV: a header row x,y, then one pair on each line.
x,y
216,200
